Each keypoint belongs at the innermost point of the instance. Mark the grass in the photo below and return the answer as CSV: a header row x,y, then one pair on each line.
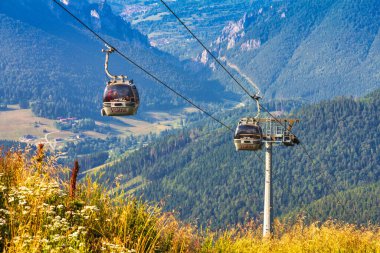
x,y
38,215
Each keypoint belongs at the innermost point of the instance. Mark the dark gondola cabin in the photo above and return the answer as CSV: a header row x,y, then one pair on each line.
x,y
120,98
248,135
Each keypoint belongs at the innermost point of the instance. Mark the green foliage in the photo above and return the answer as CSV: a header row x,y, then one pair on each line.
x,y
359,205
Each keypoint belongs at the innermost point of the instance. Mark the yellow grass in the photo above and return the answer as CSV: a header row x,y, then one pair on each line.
x,y
37,215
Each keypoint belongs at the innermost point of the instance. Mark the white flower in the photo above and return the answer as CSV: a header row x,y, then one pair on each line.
x,y
74,234
2,222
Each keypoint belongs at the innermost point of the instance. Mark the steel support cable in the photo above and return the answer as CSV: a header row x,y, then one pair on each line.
x,y
253,97
208,51
142,69
139,66
167,86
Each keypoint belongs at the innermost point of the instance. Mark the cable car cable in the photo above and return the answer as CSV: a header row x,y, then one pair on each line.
x,y
208,51
140,67
253,97
167,86
144,70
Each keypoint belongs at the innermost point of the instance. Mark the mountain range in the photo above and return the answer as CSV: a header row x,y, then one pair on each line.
x,y
298,49
306,49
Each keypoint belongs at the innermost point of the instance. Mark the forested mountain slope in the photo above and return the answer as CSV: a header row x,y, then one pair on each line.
x,y
51,62
309,49
356,206
199,174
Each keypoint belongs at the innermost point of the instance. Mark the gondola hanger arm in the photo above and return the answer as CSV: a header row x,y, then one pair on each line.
x,y
109,51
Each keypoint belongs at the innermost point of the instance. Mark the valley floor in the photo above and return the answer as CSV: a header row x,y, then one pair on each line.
x,y
22,125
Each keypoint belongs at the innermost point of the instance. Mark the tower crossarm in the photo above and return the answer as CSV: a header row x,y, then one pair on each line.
x,y
278,130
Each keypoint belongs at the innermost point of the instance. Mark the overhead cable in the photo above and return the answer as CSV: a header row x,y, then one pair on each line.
x,y
139,66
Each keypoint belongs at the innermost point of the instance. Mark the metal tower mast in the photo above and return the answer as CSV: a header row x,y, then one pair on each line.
x,y
275,131
268,198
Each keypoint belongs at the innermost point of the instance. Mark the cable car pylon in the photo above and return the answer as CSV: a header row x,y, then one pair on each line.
x,y
254,132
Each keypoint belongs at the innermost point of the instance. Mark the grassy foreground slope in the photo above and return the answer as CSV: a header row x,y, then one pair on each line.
x,y
38,215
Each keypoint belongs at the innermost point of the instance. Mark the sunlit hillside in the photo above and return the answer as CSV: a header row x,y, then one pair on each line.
x,y
43,210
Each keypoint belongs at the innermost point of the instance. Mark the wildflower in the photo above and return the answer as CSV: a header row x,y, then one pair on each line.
x,y
74,234
44,240
90,208
24,188
2,222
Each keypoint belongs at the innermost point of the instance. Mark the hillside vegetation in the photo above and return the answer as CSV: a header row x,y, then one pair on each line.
x,y
208,181
357,206
39,213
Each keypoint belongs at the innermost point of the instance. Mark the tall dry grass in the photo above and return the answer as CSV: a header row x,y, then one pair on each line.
x,y
330,236
38,215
